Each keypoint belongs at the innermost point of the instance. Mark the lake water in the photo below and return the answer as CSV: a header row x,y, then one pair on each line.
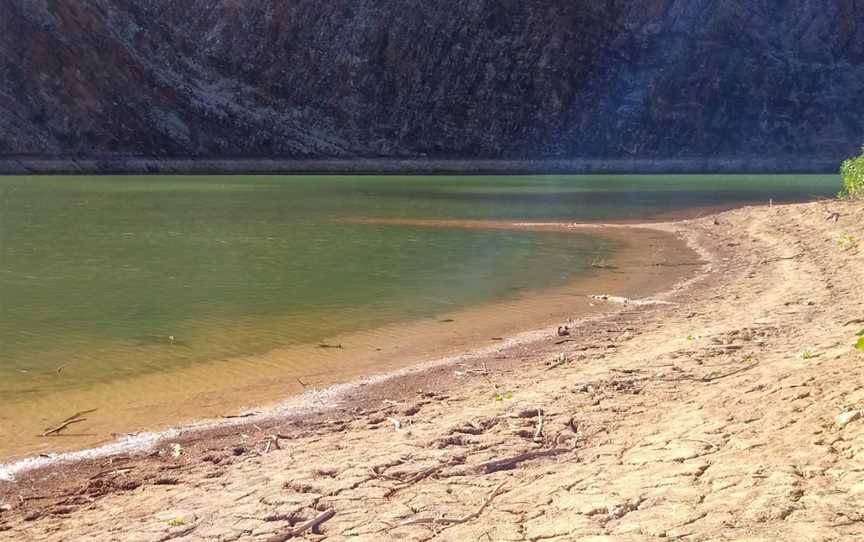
x,y
105,280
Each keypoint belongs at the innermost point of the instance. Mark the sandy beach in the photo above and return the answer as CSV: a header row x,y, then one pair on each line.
x,y
729,408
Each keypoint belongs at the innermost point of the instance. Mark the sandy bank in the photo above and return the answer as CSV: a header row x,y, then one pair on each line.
x,y
725,413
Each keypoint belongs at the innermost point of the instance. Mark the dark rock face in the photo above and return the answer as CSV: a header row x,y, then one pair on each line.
x,y
651,79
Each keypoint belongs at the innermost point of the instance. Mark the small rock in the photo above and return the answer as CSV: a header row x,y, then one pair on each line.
x,y
846,418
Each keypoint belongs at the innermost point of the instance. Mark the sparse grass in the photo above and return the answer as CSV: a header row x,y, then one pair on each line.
x,y
176,522
807,354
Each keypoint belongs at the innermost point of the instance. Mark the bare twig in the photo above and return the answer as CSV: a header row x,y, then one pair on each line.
x,y
511,462
772,260
395,422
75,418
311,525
730,373
539,431
558,362
243,415
463,519
703,441
272,441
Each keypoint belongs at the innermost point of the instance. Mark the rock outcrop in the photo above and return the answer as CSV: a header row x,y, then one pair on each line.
x,y
514,79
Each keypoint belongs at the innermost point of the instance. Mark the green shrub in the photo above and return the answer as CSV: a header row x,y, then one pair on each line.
x,y
852,171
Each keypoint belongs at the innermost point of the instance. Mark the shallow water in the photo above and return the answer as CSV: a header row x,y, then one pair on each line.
x,y
108,279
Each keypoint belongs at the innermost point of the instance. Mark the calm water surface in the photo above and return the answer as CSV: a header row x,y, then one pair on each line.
x,y
98,273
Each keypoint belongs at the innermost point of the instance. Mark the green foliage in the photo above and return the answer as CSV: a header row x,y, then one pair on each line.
x,y
847,242
808,355
176,522
503,396
852,171
860,345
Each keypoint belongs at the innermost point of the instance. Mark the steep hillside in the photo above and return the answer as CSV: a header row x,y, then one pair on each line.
x,y
654,79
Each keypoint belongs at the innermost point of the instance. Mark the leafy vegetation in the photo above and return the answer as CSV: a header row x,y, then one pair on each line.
x,y
860,345
847,242
852,171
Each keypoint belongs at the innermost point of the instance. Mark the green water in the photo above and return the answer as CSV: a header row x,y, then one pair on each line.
x,y
97,272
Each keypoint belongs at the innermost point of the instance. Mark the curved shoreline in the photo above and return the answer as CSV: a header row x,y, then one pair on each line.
x,y
734,413
319,401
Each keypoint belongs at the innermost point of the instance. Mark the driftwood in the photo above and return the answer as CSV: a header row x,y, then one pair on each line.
x,y
730,373
559,362
413,478
243,415
513,462
325,345
311,525
463,519
75,418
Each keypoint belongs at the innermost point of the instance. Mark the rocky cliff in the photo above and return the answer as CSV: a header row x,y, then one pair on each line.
x,y
514,79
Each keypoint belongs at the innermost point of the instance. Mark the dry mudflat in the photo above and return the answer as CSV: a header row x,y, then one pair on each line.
x,y
727,409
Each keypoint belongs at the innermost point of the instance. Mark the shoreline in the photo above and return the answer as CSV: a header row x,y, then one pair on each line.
x,y
697,420
119,164
278,400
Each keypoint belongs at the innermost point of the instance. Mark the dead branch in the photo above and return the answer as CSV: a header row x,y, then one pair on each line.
x,y
243,415
772,260
539,432
703,441
463,519
512,462
325,345
730,373
272,441
75,418
395,422
109,472
311,525
558,362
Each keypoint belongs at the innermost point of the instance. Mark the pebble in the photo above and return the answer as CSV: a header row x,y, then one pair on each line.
x,y
846,418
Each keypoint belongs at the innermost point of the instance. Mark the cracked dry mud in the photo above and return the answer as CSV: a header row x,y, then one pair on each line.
x,y
697,420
